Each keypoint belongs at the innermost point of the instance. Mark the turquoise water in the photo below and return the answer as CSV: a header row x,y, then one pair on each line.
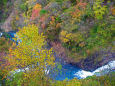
x,y
68,71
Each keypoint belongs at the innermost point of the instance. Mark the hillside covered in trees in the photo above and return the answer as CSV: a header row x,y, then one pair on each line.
x,y
57,43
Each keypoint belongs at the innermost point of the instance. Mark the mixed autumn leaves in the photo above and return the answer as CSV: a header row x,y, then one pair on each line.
x,y
31,52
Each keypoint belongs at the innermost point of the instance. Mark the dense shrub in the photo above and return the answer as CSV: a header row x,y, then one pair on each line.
x,y
5,44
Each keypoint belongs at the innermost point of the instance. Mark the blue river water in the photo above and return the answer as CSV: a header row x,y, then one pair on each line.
x,y
67,71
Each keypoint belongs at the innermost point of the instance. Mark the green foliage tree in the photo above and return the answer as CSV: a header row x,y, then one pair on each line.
x,y
99,10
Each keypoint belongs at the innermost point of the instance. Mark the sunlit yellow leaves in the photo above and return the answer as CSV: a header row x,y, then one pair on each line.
x,y
63,33
99,10
64,36
68,35
30,36
30,52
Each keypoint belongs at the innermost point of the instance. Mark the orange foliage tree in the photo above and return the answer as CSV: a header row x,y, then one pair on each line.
x,y
79,9
35,11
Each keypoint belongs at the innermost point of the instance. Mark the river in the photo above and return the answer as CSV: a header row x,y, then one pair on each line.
x,y
69,71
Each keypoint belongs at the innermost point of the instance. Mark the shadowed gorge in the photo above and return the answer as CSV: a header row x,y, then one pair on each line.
x,y
57,43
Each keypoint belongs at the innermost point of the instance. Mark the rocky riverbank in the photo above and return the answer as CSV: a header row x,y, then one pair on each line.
x,y
90,63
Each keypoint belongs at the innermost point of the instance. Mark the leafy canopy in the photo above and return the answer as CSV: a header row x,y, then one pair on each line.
x,y
30,52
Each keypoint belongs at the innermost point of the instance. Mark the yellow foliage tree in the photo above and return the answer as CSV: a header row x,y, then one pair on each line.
x,y
99,10
64,36
31,53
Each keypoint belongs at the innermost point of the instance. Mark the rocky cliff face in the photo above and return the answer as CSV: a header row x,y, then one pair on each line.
x,y
6,26
13,19
97,60
6,8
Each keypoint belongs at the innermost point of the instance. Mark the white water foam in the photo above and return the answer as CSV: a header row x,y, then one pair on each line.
x,y
98,72
1,34
81,73
25,69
